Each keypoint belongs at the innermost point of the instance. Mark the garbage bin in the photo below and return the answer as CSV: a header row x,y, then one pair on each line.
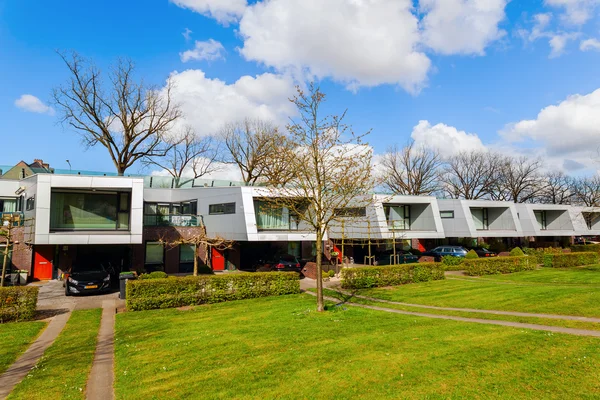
x,y
123,278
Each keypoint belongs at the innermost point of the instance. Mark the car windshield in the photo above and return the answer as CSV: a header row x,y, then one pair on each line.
x,y
484,249
91,267
291,259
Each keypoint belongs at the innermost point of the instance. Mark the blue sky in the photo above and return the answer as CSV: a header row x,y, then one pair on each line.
x,y
451,74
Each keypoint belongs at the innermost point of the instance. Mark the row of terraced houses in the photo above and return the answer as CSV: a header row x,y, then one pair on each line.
x,y
65,218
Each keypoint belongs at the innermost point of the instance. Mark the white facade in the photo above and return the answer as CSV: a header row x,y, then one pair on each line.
x,y
546,220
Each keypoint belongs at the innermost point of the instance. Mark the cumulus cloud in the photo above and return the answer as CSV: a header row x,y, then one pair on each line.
x,y
576,12
461,26
358,43
444,138
558,42
224,11
222,171
209,50
28,102
208,104
589,44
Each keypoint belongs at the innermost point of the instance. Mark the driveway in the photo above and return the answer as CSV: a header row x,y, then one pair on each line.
x,y
52,299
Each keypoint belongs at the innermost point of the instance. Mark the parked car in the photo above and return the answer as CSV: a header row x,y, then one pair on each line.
x,y
284,262
441,251
403,257
87,278
483,252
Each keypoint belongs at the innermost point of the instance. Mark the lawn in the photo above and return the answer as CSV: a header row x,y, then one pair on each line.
x,y
64,368
16,338
589,275
279,347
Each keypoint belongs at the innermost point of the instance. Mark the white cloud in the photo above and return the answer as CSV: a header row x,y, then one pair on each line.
x,y
446,139
589,44
208,104
187,34
209,50
359,43
225,172
570,129
576,12
28,102
224,11
461,26
558,42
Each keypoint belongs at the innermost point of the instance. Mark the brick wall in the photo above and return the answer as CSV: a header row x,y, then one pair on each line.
x,y
22,253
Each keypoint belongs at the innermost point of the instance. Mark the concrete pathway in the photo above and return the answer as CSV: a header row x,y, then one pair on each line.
x,y
556,329
20,368
100,381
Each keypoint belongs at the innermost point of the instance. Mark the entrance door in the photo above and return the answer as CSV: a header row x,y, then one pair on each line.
x,y
42,262
218,261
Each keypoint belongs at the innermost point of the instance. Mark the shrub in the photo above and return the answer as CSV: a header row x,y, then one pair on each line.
x,y
331,273
569,260
498,265
154,275
578,248
472,254
18,303
540,253
393,275
451,263
516,252
194,290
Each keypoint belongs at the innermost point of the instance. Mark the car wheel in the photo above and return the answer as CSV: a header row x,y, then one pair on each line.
x,y
67,293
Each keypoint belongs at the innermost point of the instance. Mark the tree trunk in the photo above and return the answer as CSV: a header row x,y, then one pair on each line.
x,y
319,248
5,259
196,255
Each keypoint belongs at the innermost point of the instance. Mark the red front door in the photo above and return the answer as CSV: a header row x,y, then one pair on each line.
x,y
42,262
218,261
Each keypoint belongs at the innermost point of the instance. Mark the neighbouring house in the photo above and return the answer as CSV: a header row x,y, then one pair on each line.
x,y
23,170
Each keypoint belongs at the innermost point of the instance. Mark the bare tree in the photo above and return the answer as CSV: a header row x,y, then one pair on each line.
x,y
252,145
189,157
330,168
558,188
411,171
587,191
518,180
128,117
471,175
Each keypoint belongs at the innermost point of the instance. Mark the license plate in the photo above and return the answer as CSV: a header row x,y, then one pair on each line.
x,y
92,287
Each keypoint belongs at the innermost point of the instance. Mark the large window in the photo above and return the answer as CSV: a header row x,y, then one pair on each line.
x,y
89,210
398,216
171,214
271,217
223,208
480,218
350,212
540,217
155,257
8,205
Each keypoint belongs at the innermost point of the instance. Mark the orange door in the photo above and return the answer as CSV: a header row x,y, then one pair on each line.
x,y
218,261
42,262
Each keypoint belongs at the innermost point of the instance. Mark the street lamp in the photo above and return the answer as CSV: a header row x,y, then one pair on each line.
x,y
69,162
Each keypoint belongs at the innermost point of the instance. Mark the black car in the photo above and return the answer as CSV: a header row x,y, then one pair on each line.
x,y
402,257
483,252
283,262
441,251
88,278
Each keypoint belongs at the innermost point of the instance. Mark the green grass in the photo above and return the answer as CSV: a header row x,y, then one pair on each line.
x,y
64,368
589,275
15,338
279,347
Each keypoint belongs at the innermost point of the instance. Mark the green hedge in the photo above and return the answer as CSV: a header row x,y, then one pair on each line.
x,y
585,248
498,265
193,290
452,263
153,275
539,253
393,275
569,260
18,303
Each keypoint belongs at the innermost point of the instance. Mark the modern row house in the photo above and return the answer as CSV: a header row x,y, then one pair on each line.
x,y
64,220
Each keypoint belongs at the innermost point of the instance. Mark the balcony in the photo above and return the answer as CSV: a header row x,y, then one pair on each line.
x,y
172,220
16,218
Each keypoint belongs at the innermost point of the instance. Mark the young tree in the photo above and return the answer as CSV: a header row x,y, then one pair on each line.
x,y
330,168
189,157
6,236
252,145
128,117
411,170
471,175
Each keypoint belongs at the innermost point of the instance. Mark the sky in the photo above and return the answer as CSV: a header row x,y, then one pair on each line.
x,y
521,77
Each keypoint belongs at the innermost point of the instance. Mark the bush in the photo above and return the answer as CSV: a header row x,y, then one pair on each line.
x,y
451,263
578,248
154,275
18,303
569,260
331,273
540,253
393,275
194,290
472,254
498,265
516,252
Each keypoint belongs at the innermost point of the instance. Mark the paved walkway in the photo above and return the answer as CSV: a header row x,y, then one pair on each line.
x,y
557,329
20,368
100,381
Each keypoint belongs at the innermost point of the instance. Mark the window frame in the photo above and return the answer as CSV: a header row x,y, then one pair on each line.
x,y
228,208
162,263
350,212
451,213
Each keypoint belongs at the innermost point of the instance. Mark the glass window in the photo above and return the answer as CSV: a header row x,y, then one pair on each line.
x,y
540,217
30,203
150,208
224,208
87,211
447,214
123,201
8,205
186,253
350,212
398,217
154,253
480,218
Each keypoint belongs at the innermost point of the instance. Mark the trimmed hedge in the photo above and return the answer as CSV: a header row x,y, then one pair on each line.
x,y
516,252
18,303
471,255
452,263
585,248
498,265
569,260
154,275
393,275
194,290
539,253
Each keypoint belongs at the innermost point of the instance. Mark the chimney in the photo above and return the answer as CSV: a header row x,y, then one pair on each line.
x,y
41,162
